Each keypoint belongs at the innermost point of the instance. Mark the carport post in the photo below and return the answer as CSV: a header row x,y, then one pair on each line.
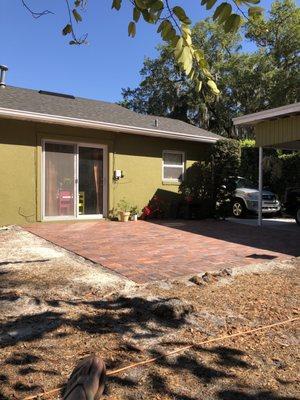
x,y
260,186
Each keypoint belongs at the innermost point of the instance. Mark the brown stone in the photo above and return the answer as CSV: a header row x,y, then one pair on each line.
x,y
172,309
197,280
208,277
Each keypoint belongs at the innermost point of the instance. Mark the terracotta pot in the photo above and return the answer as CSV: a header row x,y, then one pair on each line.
x,y
124,216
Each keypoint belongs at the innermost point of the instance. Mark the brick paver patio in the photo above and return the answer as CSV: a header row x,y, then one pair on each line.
x,y
146,251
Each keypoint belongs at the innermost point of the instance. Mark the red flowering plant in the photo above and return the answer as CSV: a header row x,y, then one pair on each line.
x,y
156,208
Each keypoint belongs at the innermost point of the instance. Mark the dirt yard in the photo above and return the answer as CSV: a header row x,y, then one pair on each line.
x,y
57,308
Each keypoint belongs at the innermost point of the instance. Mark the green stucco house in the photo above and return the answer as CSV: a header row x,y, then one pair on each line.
x,y
63,157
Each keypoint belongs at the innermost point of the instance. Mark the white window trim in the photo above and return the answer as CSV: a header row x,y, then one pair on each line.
x,y
182,153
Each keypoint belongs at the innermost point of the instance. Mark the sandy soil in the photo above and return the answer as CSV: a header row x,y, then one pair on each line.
x,y
57,308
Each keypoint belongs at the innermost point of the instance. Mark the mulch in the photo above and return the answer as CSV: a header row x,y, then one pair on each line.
x,y
42,348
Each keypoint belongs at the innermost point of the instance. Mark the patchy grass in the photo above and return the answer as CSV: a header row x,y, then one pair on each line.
x,y
56,308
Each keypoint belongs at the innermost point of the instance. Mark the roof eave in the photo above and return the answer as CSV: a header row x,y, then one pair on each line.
x,y
252,119
84,123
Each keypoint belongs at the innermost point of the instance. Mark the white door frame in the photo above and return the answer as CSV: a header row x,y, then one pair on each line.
x,y
76,215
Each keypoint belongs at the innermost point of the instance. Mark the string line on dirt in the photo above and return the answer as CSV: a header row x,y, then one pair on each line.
x,y
180,350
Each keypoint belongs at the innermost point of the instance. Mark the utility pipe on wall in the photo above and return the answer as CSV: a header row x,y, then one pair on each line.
x,y
260,186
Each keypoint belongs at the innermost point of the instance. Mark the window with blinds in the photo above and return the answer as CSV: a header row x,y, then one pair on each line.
x,y
173,165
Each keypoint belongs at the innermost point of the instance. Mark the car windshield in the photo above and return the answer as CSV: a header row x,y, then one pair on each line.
x,y
245,183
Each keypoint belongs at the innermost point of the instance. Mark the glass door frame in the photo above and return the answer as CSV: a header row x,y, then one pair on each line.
x,y
76,180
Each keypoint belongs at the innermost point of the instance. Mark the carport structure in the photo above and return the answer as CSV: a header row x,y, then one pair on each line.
x,y
276,128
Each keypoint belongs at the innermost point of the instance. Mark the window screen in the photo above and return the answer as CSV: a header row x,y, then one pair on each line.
x,y
173,165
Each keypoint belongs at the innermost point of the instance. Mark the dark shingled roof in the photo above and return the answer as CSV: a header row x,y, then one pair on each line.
x,y
94,110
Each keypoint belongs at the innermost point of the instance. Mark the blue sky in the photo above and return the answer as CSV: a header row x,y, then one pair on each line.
x,y
39,57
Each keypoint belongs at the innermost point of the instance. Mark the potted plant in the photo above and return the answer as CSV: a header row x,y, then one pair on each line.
x,y
134,213
124,210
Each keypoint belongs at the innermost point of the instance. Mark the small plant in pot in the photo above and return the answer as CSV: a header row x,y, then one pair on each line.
x,y
134,213
124,210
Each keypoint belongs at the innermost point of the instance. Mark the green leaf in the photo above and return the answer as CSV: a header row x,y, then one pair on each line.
x,y
72,42
77,16
174,41
233,23
251,1
157,5
191,74
181,15
117,4
213,87
186,34
186,30
142,5
207,73
222,12
199,86
170,35
136,14
164,26
149,17
255,11
168,31
210,4
178,48
67,30
76,4
203,2
186,59
131,29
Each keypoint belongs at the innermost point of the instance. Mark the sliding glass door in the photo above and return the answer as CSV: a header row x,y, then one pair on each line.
x,y
90,172
59,180
73,177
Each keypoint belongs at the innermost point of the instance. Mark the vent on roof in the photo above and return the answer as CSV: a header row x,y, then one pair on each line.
x,y
3,69
67,96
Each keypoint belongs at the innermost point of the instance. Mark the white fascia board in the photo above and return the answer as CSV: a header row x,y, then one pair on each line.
x,y
252,119
107,126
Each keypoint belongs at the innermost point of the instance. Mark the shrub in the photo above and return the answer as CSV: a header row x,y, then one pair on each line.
x,y
203,183
124,206
197,183
156,208
281,169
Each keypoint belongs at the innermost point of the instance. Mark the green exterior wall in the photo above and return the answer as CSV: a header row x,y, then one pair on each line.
x,y
139,157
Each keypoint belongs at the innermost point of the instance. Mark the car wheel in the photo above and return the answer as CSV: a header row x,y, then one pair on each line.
x,y
298,216
238,208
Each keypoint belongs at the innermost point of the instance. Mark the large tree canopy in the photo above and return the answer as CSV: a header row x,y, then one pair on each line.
x,y
173,26
249,82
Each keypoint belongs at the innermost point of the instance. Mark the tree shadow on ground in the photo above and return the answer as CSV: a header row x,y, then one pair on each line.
x,y
191,363
213,373
142,318
29,327
22,359
159,385
125,315
23,262
3,396
29,370
262,239
255,395
9,297
228,357
138,316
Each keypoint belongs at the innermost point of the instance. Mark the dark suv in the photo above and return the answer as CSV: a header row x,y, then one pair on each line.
x,y
292,203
